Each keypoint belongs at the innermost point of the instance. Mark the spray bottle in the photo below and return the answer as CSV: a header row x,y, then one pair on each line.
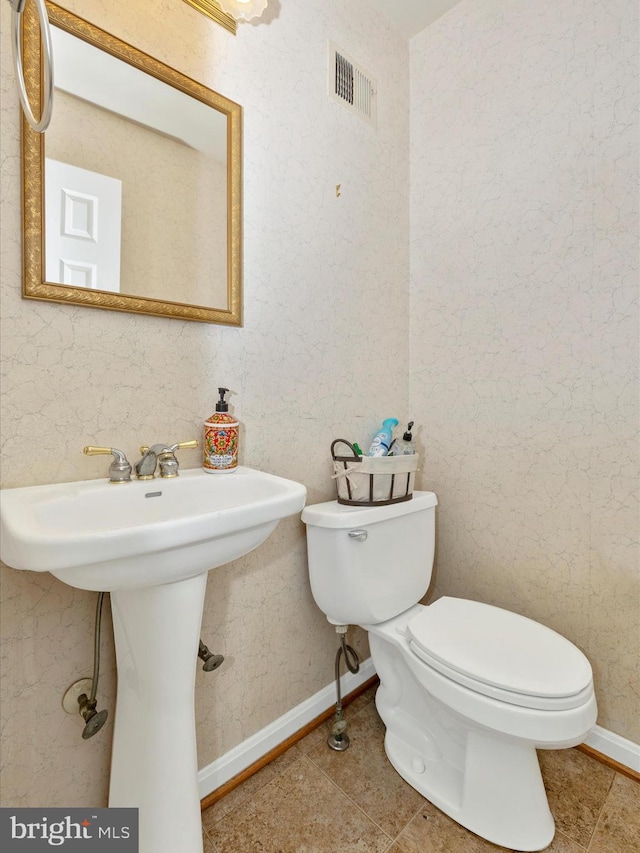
x,y
382,441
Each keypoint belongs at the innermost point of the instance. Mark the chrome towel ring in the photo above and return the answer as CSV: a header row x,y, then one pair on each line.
x,y
17,8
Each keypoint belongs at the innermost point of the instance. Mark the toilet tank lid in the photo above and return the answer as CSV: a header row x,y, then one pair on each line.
x,y
500,648
333,514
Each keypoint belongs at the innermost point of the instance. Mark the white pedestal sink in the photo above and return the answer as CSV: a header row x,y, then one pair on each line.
x,y
150,544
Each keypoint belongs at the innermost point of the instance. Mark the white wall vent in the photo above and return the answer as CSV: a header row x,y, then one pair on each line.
x,y
351,85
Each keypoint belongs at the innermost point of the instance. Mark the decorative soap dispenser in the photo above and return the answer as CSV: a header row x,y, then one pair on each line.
x,y
220,439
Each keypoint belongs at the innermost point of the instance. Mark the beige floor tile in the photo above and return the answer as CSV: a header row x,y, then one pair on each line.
x,y
208,845
300,811
249,788
577,787
618,829
313,800
562,844
365,774
319,736
433,831
364,699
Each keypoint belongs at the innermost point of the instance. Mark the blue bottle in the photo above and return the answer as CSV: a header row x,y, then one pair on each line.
x,y
381,442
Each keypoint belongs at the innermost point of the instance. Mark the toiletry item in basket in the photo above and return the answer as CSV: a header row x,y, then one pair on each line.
x,y
220,439
404,446
382,441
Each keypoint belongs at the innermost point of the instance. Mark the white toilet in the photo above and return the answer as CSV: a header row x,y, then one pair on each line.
x,y
467,691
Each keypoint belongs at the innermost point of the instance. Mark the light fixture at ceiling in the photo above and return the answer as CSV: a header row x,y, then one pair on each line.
x,y
243,10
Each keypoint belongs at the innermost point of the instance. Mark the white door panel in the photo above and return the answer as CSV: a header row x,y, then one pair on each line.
x,y
83,227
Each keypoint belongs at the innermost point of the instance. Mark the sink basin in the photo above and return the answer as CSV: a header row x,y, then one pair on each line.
x,y
99,535
150,543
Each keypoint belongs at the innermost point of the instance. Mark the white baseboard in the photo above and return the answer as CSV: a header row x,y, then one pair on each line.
x,y
613,746
223,769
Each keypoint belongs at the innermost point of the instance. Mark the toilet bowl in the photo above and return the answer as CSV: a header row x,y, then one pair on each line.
x,y
468,691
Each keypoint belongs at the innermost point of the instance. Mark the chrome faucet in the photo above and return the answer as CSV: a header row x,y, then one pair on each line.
x,y
160,456
119,470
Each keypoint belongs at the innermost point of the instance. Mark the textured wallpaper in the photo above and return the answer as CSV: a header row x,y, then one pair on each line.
x,y
323,354
524,318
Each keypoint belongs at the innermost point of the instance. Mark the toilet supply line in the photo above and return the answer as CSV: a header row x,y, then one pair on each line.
x,y
338,740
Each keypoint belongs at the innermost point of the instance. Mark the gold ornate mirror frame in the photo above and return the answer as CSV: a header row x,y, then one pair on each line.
x,y
34,284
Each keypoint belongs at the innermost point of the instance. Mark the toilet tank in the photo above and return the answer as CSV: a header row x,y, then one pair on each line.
x,y
369,564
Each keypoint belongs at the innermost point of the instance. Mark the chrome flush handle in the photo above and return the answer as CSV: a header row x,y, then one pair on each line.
x,y
359,535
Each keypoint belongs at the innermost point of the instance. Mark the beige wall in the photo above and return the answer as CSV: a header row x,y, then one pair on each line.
x,y
304,369
524,317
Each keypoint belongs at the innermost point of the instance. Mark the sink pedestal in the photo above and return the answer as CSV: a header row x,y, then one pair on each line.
x,y
154,763
151,545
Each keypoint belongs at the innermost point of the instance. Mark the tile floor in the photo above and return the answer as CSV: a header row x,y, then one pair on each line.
x,y
314,800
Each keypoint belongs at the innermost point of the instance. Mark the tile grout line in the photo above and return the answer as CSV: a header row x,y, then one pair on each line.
x,y
211,844
597,821
393,839
411,819
304,756
353,802
259,790
210,833
570,840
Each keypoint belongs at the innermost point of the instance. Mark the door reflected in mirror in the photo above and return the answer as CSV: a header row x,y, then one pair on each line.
x,y
134,198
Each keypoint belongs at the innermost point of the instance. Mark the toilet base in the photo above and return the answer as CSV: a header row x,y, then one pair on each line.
x,y
487,782
507,806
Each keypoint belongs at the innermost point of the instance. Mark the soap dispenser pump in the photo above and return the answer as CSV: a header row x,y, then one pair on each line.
x,y
405,446
220,438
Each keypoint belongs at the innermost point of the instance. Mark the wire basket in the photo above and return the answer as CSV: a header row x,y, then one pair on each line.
x,y
372,480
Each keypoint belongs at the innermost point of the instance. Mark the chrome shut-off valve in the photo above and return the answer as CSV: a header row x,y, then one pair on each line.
x,y
210,661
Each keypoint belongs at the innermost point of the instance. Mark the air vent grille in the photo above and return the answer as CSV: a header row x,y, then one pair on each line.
x,y
352,85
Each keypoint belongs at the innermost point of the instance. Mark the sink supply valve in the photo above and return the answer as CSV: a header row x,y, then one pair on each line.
x,y
80,698
119,470
162,456
339,739
211,661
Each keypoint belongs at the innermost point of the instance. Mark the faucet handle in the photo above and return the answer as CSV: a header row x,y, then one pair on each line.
x,y
183,445
119,470
167,461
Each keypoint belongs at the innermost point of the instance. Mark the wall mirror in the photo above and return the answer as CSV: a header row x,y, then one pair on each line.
x,y
132,197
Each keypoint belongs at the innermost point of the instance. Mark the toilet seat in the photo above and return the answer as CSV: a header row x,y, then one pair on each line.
x,y
500,654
